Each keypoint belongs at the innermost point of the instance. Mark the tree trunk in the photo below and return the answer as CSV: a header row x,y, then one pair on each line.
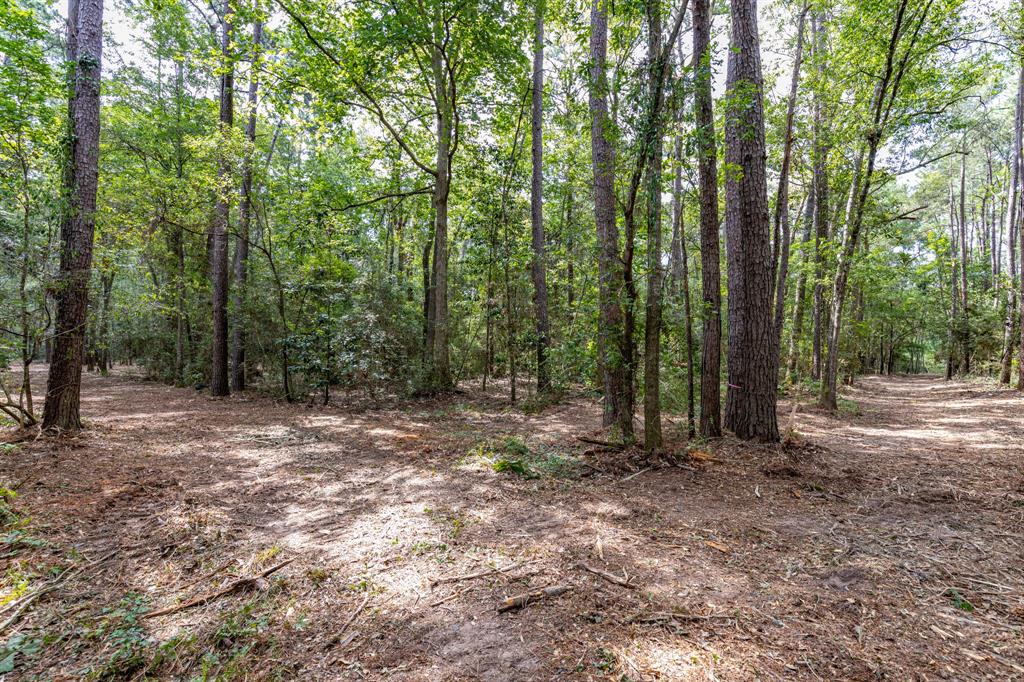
x,y
681,279
821,226
1012,221
800,302
782,228
965,322
219,242
610,326
711,287
63,386
539,269
652,312
752,354
245,208
439,368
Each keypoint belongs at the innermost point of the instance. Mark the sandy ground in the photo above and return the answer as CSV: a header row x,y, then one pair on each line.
x,y
885,542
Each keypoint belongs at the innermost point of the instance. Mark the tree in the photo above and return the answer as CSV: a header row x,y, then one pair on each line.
x,y
753,355
222,211
85,50
711,287
539,266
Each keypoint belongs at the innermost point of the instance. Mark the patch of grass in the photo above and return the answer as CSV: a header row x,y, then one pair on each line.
x,y
513,456
848,407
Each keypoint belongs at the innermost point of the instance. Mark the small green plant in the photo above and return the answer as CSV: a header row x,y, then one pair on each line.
x,y
123,637
19,646
959,601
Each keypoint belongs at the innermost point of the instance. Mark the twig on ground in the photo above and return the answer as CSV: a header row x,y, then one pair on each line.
x,y
632,476
521,600
610,577
231,587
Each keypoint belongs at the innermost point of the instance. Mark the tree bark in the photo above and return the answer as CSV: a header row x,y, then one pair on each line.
x,y
965,321
752,354
539,266
610,326
439,368
85,47
241,264
652,312
800,302
1012,221
821,226
711,286
219,241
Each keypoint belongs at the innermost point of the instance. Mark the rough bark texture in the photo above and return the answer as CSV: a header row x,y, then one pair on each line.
x,y
652,311
681,280
219,242
241,264
800,296
63,386
965,318
711,292
539,266
610,324
752,357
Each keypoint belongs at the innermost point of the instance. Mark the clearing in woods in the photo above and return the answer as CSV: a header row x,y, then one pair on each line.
x,y
882,543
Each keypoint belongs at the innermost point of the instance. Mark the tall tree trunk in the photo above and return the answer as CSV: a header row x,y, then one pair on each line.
x,y
752,356
800,302
85,49
821,226
241,264
540,286
681,279
1012,221
954,291
652,312
610,326
965,322
885,93
440,376
711,286
219,243
782,228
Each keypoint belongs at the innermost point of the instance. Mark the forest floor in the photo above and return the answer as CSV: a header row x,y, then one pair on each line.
x,y
884,542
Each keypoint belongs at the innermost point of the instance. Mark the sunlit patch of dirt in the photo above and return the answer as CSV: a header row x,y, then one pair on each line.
x,y
880,543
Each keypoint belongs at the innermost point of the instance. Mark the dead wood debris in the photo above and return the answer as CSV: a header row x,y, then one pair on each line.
x,y
241,583
521,600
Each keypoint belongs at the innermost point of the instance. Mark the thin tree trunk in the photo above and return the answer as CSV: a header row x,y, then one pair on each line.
x,y
245,208
219,242
711,292
652,327
821,226
1012,221
796,333
539,266
965,323
85,46
752,355
681,279
782,197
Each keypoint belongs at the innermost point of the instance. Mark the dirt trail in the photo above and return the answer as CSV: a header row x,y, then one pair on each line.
x,y
882,543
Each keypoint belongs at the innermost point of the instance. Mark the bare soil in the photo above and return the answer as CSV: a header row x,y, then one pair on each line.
x,y
885,542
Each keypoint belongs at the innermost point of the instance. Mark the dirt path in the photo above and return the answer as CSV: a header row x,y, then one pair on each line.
x,y
884,543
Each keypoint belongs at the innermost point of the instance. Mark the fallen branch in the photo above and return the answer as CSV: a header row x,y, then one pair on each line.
x,y
602,443
521,600
209,575
351,619
231,587
479,574
610,577
632,476
662,616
